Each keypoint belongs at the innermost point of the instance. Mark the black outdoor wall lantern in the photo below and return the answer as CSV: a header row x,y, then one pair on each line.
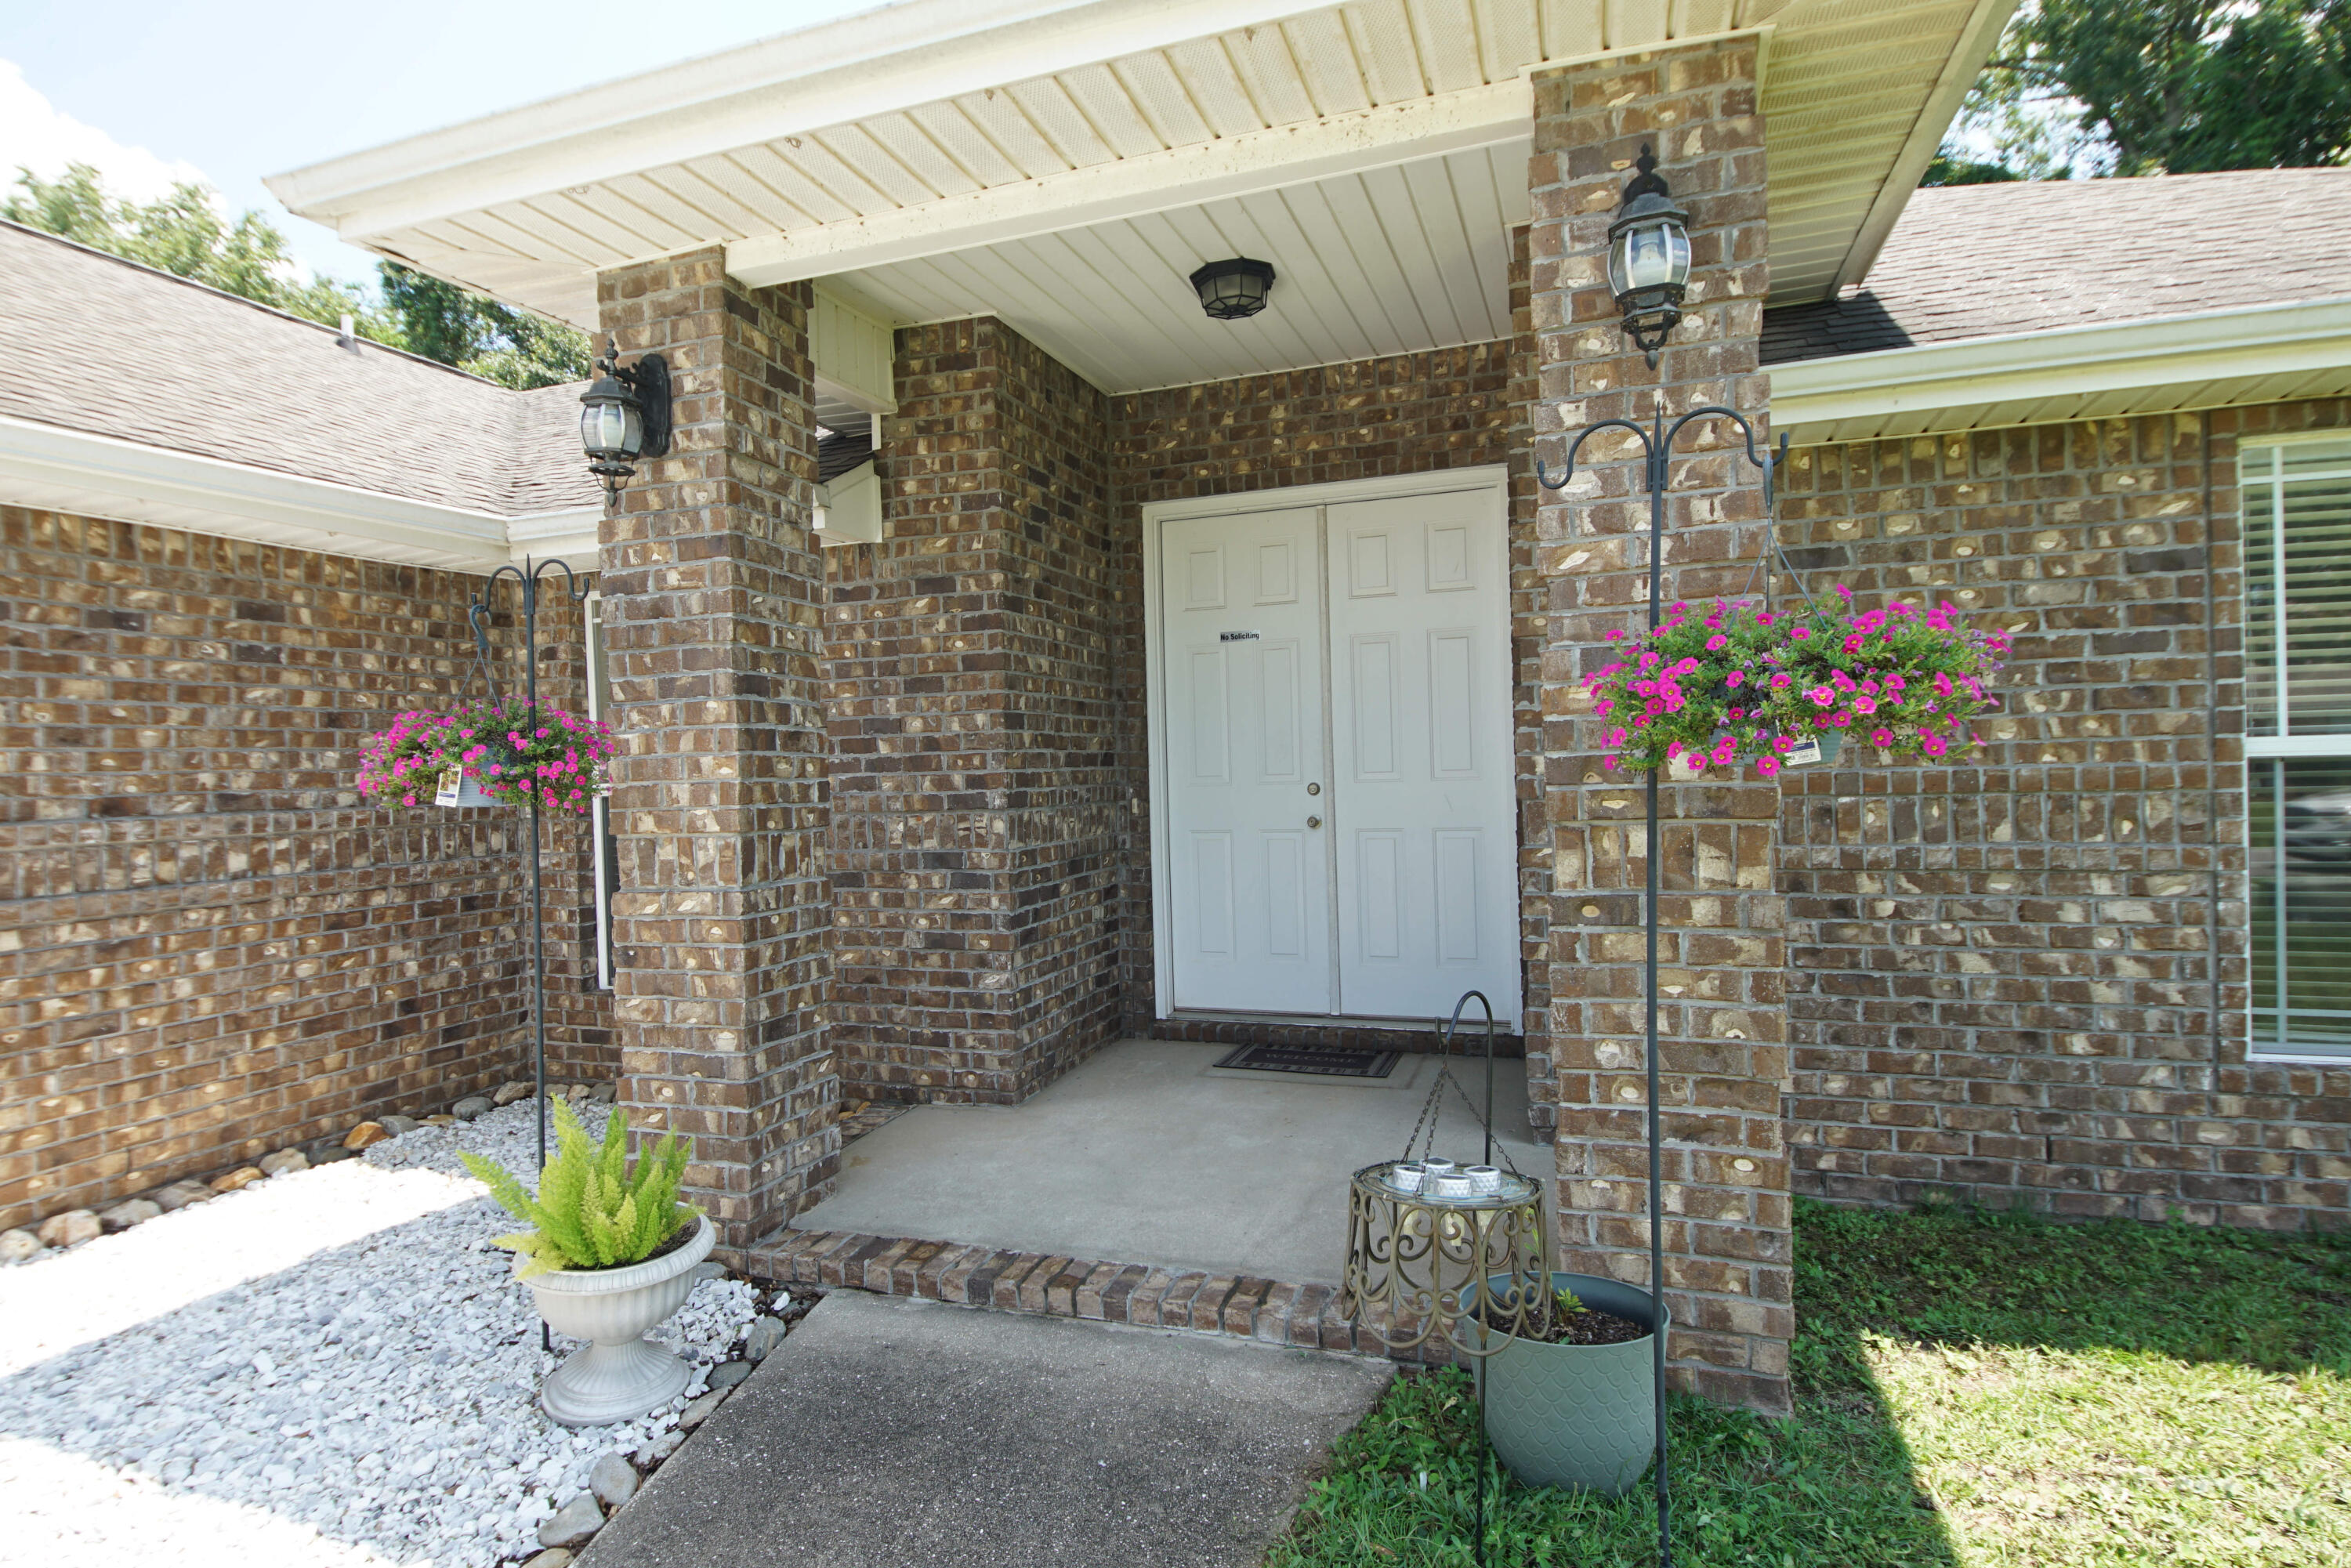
x,y
1229,291
1648,259
624,415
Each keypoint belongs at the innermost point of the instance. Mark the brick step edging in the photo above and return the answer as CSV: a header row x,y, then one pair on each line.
x,y
1273,1312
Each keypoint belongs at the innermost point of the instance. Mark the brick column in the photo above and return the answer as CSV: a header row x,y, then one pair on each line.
x,y
1722,1027
713,596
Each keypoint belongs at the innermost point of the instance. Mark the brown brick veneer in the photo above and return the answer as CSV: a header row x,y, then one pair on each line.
x,y
976,792
713,598
1721,1030
2023,980
210,947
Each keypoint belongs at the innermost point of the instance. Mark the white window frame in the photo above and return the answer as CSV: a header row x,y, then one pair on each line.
x,y
2286,746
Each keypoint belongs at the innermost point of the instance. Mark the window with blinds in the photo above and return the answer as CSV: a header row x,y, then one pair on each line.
x,y
2297,533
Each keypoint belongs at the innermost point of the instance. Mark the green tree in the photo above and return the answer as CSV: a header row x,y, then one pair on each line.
x,y
2151,86
511,347
188,235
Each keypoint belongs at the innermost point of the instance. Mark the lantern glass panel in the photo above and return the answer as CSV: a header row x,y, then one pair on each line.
x,y
610,430
1648,256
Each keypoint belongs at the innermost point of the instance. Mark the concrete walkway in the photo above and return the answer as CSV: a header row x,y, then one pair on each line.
x,y
1149,1153
897,1434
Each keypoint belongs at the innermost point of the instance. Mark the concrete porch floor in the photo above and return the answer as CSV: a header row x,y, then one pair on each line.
x,y
1149,1153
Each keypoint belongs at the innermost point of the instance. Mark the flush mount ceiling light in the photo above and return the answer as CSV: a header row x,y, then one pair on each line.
x,y
624,415
1231,289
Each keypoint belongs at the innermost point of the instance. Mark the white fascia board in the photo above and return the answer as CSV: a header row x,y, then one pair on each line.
x,y
1977,39
899,57
572,537
133,483
1190,177
2069,361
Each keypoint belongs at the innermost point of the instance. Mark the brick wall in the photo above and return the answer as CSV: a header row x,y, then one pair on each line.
x,y
1412,414
2023,982
713,603
210,948
971,699
1724,1062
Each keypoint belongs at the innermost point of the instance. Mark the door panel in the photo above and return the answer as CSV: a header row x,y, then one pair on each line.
x,y
1423,803
1244,641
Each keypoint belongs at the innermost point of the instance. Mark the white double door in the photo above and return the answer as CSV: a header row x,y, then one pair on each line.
x,y
1338,826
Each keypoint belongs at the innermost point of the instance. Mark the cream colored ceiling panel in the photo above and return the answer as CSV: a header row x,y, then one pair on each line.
x,y
1157,91
495,240
1381,32
1393,275
964,142
731,175
1378,330
920,155
790,182
1635,24
1424,228
852,146
1101,127
1696,19
548,235
1207,78
1445,35
695,190
1326,60
668,201
1261,59
606,224
1057,270
908,292
1034,308
1001,117
1509,34
1486,226
853,187
1573,29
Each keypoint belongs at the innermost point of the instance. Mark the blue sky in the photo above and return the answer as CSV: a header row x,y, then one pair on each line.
x,y
156,88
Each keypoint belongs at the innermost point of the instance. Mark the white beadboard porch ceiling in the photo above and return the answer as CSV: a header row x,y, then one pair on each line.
x,y
1065,163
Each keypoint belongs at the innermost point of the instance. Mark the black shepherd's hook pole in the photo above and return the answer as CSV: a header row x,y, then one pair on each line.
x,y
1657,448
477,615
1478,1288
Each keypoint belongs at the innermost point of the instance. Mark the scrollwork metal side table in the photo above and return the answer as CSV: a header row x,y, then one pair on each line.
x,y
1418,1262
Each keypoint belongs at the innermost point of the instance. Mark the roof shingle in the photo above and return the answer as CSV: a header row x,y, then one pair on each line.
x,y
105,346
1982,261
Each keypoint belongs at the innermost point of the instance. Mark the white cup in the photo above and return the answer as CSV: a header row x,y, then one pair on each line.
x,y
1407,1176
1484,1179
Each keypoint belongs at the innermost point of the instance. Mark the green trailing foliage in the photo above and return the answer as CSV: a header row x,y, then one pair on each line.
x,y
592,1211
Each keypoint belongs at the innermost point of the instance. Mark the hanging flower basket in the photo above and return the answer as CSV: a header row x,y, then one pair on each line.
x,y
502,754
1742,684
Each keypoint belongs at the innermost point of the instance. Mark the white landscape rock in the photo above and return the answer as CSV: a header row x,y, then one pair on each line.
x,y
336,1352
15,1246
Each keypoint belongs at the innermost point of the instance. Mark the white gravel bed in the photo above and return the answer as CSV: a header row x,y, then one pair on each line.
x,y
331,1365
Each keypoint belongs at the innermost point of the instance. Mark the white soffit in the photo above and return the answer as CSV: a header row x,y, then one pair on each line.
x,y
982,141
2219,358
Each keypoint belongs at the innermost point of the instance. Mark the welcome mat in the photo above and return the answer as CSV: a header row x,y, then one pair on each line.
x,y
1328,1061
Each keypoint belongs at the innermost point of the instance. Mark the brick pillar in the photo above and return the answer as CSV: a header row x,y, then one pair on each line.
x,y
1723,1024
712,607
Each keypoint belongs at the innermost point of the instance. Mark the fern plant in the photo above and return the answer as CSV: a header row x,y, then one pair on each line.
x,y
592,1211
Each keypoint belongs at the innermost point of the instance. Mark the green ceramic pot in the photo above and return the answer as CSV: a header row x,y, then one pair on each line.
x,y
1576,1415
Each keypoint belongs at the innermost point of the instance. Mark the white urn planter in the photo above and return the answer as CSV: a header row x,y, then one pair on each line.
x,y
621,1375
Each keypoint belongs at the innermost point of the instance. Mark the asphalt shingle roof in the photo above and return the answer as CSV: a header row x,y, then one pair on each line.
x,y
97,344
1981,261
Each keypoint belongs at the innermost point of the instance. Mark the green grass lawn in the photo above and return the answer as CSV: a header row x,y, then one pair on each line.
x,y
1972,1389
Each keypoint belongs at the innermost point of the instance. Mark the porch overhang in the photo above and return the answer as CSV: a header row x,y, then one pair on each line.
x,y
1063,163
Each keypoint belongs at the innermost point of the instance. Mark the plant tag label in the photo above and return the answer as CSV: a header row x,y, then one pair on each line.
x,y
453,785
1798,756
1239,636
